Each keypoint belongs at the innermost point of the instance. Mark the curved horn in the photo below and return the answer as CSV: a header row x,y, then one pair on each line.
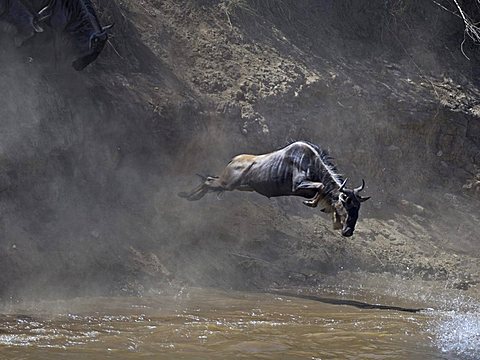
x,y
46,12
104,30
360,188
108,27
343,185
362,199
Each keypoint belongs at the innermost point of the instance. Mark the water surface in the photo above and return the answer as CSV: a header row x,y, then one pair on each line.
x,y
212,324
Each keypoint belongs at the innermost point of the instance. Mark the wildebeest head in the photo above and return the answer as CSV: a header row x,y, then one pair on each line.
x,y
90,49
79,22
347,208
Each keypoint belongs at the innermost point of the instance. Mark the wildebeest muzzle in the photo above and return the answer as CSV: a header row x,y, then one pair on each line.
x,y
350,205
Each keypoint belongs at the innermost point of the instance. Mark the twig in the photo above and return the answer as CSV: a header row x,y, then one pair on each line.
x,y
471,29
228,18
375,254
444,8
461,45
116,52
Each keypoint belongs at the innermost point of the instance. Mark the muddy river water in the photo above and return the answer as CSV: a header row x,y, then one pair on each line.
x,y
213,324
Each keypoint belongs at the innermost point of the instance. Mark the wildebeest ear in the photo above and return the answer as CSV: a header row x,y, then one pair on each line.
x,y
343,185
362,199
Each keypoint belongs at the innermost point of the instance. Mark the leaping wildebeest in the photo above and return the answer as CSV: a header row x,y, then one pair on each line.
x,y
299,169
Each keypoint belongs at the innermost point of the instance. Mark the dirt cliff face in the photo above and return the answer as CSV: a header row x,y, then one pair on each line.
x,y
91,162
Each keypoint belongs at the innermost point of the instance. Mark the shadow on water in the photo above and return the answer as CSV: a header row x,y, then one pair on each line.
x,y
355,303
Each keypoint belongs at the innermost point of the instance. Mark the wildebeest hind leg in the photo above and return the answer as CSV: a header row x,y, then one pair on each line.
x,y
195,194
244,188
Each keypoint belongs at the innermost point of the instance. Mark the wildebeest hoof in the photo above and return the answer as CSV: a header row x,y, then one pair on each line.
x,y
310,203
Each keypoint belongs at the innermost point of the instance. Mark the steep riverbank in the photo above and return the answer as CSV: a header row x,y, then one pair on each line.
x,y
91,162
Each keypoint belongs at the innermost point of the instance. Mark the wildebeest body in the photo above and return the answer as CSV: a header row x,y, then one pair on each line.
x,y
299,169
280,173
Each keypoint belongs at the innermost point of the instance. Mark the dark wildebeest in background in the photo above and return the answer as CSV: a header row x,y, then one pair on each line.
x,y
23,20
74,20
299,169
77,21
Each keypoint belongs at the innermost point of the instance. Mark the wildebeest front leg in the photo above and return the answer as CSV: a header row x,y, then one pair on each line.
x,y
300,182
313,202
314,185
337,221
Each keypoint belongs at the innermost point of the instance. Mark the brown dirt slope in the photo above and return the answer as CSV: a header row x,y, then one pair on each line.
x,y
91,162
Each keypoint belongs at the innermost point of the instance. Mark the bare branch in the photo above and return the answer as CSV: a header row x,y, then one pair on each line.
x,y
472,30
